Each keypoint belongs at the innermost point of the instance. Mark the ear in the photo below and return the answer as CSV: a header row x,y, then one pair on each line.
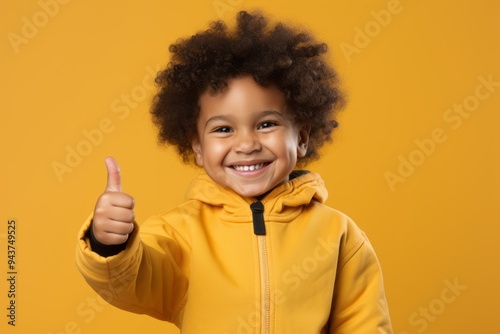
x,y
196,146
303,140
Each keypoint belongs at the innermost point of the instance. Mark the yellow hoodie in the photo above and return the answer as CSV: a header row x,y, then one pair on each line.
x,y
216,265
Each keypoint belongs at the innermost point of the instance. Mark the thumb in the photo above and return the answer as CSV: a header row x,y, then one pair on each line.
x,y
114,177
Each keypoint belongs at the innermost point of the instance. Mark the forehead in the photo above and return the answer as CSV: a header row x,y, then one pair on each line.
x,y
242,93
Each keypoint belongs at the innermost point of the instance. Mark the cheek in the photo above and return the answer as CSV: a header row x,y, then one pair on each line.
x,y
214,150
218,147
285,146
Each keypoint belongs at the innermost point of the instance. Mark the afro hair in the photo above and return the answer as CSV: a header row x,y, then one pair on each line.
x,y
280,55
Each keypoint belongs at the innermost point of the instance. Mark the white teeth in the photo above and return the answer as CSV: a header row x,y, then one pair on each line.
x,y
248,168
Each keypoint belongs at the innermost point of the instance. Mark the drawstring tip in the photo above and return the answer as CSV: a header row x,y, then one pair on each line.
x,y
259,227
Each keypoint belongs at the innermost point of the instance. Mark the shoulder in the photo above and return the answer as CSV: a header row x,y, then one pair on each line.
x,y
339,226
175,222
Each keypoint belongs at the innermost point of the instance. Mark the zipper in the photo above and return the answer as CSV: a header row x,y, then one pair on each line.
x,y
260,231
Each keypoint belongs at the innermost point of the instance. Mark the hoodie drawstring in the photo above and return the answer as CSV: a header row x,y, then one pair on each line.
x,y
259,228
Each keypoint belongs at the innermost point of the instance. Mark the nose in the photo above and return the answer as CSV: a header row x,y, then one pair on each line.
x,y
247,142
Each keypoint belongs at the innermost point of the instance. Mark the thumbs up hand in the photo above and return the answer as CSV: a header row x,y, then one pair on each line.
x,y
114,216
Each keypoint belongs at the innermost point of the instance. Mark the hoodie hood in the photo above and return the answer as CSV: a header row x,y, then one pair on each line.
x,y
282,204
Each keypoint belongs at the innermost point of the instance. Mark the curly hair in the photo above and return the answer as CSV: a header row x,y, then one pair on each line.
x,y
279,55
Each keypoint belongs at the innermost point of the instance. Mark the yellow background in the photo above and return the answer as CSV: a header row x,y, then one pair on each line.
x,y
87,66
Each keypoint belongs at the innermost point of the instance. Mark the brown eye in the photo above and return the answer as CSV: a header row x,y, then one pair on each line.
x,y
267,124
222,129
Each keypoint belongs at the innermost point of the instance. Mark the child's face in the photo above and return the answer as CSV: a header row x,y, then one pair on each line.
x,y
247,141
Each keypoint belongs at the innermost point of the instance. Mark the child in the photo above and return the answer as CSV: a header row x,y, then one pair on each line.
x,y
253,249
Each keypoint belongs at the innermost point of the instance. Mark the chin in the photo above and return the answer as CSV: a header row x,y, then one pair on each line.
x,y
250,192
254,190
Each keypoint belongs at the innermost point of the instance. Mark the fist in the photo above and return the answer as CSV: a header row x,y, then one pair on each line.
x,y
114,216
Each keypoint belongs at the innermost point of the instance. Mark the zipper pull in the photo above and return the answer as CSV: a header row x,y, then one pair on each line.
x,y
259,228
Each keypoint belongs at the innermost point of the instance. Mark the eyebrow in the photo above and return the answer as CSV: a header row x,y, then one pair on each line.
x,y
262,114
273,113
214,119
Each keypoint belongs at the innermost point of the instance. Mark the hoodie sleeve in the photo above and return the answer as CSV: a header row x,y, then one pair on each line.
x,y
359,302
148,277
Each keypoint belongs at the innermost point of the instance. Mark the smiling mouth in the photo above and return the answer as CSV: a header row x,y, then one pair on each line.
x,y
249,168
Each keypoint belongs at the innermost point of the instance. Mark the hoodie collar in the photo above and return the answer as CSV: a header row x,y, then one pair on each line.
x,y
281,204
